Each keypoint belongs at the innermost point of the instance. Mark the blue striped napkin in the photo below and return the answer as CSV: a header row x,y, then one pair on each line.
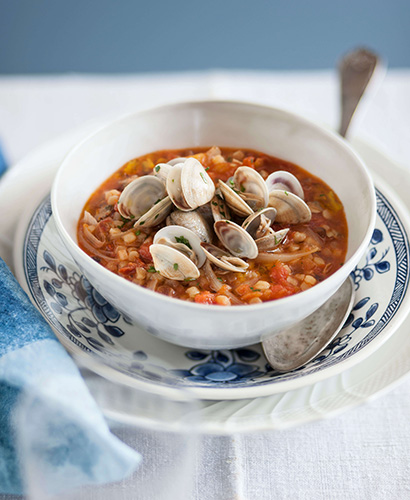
x,y
3,164
51,430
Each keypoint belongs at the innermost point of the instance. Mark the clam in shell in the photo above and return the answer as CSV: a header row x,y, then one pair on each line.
x,y
189,186
223,259
251,187
234,201
194,221
219,208
172,263
271,240
139,196
235,239
155,214
286,182
184,240
162,170
290,208
258,224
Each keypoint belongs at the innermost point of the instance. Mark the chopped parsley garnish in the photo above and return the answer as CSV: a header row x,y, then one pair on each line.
x,y
214,203
207,168
231,182
125,220
176,266
287,194
242,188
157,168
156,217
159,199
173,180
181,239
255,289
142,222
276,239
188,279
137,233
220,279
203,177
151,269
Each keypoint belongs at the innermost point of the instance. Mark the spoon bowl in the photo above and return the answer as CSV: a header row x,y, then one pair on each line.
x,y
296,346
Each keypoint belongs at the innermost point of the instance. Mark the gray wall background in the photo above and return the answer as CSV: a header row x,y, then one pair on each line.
x,y
49,36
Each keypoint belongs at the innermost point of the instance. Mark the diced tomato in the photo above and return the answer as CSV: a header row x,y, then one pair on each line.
x,y
242,289
205,298
279,291
128,269
144,252
279,273
249,161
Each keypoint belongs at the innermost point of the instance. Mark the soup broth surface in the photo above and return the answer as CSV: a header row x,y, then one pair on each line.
x,y
310,252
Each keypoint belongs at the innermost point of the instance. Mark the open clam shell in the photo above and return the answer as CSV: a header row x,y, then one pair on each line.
x,y
182,239
271,240
223,259
189,186
235,239
251,187
219,208
197,187
155,214
290,208
174,188
194,221
161,171
259,222
175,161
234,201
173,264
139,196
286,182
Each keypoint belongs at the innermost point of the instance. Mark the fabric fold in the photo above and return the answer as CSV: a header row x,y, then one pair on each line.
x,y
53,435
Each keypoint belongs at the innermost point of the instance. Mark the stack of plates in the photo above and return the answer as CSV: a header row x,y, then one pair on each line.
x,y
234,390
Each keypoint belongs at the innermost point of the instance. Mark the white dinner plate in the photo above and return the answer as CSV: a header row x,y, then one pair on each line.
x,y
378,372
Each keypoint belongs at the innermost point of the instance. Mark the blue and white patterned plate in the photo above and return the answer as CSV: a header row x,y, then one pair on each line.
x,y
110,344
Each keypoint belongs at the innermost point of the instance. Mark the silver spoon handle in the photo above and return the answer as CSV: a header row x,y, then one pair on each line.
x,y
355,72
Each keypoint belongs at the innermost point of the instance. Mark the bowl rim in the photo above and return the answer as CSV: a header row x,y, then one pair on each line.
x,y
215,308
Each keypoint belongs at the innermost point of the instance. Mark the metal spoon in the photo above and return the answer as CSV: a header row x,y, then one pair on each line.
x,y
301,343
356,69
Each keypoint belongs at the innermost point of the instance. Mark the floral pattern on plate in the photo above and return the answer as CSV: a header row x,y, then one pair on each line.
x,y
86,320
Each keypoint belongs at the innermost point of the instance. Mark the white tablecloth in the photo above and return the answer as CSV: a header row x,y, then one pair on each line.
x,y
362,454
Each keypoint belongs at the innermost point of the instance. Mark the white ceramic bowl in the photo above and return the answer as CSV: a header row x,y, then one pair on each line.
x,y
230,124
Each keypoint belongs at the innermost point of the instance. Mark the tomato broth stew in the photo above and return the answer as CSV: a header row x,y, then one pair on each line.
x,y
230,264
